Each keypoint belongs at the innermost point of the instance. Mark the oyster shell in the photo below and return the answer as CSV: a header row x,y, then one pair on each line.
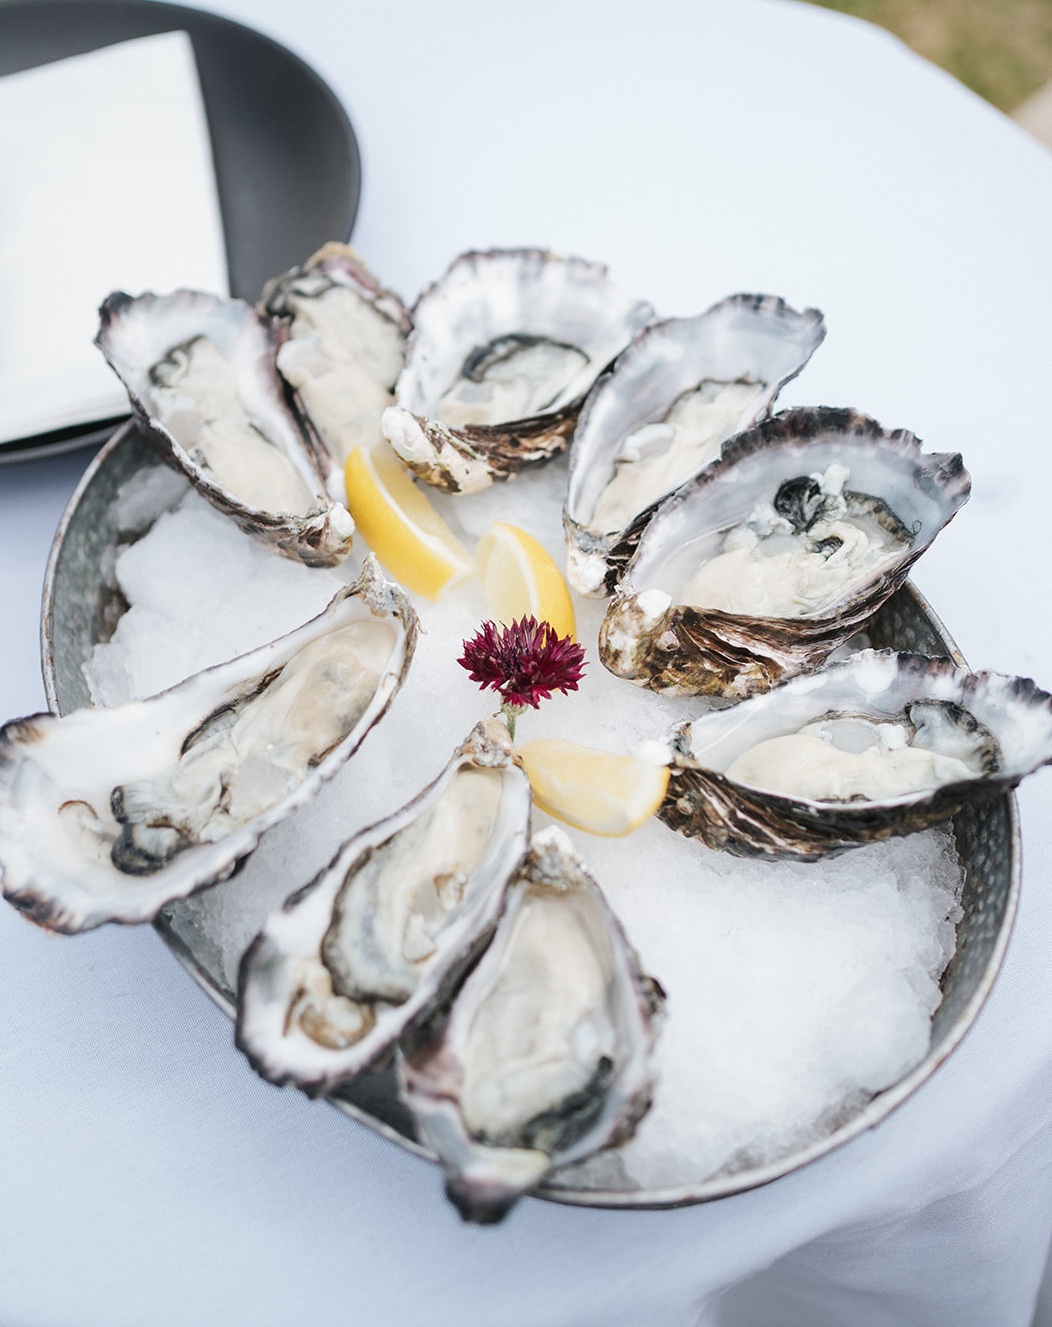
x,y
877,745
200,374
765,562
662,411
341,348
545,1054
339,973
107,814
503,351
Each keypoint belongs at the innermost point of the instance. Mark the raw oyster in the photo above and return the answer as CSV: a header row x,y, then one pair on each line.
x,y
663,410
338,974
503,351
876,745
200,374
107,814
341,348
545,1055
760,566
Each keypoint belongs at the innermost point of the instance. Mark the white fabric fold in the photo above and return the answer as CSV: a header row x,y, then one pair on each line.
x,y
108,184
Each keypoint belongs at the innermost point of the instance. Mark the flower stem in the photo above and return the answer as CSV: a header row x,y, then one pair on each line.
x,y
511,713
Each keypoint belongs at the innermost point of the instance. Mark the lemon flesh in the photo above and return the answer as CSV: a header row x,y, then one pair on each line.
x,y
401,527
520,579
596,791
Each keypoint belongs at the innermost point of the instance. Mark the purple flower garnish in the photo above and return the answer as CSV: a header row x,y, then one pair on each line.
x,y
524,663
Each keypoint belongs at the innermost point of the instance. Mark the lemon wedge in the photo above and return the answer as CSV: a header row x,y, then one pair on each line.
x,y
596,791
401,527
520,579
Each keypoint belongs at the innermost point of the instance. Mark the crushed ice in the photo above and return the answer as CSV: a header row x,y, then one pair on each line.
x,y
795,991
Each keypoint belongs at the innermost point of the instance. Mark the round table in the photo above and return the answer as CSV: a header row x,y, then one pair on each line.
x,y
148,1176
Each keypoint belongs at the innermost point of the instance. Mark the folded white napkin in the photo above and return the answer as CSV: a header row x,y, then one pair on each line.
x,y
108,184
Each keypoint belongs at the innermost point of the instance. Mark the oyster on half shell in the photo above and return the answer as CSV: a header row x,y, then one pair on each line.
x,y
384,932
107,814
876,745
662,411
545,1055
766,561
503,350
201,378
341,348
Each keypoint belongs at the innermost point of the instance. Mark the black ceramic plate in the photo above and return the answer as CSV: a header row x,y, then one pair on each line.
x,y
286,157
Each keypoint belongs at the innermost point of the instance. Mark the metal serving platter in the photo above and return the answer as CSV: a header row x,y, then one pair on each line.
x,y
288,170
80,610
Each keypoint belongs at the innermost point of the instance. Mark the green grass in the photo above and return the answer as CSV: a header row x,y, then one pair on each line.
x,y
1001,49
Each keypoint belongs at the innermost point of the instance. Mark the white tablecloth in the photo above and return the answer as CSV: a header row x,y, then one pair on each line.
x,y
147,1176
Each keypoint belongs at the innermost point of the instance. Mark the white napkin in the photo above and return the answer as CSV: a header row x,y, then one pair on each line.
x,y
107,184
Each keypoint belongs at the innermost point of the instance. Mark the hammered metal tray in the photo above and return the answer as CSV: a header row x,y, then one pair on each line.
x,y
80,609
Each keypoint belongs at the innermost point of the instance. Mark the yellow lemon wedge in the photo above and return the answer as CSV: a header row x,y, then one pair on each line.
x,y
520,579
401,527
596,791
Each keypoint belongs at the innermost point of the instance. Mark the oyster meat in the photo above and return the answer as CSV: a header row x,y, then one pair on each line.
x,y
342,346
339,973
545,1055
201,378
878,744
107,814
796,556
503,350
662,411
765,562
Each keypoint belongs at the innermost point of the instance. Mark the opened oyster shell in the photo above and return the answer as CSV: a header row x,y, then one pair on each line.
x,y
765,562
545,1055
201,378
341,346
662,411
107,814
503,351
385,931
877,745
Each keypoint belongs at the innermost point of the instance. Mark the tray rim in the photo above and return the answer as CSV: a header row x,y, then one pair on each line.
x,y
878,1109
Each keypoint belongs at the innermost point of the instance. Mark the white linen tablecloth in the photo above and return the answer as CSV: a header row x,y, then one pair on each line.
x,y
147,1176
